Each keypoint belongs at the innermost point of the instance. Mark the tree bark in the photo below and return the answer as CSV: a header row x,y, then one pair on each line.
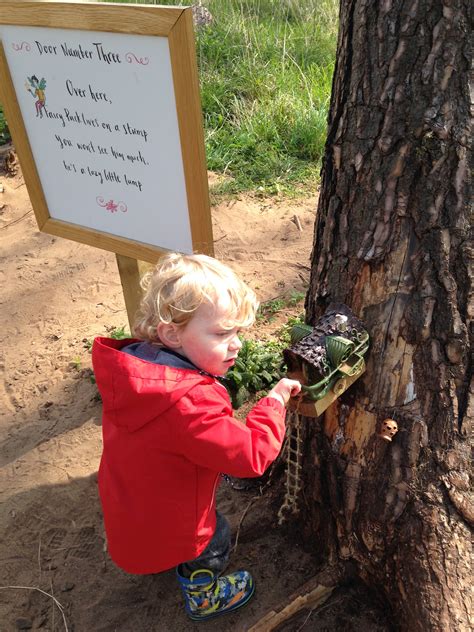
x,y
392,242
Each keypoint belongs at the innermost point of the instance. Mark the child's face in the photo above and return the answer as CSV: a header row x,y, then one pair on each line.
x,y
207,342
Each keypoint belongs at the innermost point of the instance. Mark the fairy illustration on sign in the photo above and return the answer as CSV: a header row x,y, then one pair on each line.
x,y
36,88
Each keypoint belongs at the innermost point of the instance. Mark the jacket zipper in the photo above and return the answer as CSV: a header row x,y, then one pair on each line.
x,y
215,488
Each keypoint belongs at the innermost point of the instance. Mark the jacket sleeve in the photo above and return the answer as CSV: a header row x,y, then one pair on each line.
x,y
209,435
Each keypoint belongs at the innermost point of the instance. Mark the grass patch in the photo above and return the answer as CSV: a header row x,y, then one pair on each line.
x,y
265,70
268,309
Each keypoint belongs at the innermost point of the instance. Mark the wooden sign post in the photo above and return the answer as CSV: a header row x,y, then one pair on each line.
x,y
102,101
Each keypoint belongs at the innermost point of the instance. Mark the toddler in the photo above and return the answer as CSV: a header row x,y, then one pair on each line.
x,y
169,431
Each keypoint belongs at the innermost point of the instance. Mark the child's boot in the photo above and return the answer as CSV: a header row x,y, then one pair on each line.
x,y
207,595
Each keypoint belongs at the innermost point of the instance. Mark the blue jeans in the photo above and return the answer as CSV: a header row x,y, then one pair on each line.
x,y
216,554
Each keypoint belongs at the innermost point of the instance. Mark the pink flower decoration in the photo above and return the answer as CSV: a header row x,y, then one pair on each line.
x,y
111,206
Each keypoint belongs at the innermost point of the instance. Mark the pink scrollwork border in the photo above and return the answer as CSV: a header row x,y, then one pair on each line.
x,y
132,58
19,47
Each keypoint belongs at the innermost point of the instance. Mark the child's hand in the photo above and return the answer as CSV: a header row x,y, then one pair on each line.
x,y
284,390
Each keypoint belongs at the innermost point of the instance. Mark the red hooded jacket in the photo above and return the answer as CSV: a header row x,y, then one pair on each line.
x,y
168,433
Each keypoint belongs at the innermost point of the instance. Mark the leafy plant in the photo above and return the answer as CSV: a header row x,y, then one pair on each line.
x,y
76,363
295,298
284,335
258,367
269,308
4,131
119,333
87,344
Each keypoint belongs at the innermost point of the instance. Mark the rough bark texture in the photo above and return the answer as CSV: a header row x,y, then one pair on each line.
x,y
392,242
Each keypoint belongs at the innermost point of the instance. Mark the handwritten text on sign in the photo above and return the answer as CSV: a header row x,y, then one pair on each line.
x,y
100,114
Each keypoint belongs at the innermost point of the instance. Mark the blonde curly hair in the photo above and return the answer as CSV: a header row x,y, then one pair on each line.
x,y
179,284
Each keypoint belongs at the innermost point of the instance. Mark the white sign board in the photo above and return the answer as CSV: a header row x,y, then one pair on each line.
x,y
99,110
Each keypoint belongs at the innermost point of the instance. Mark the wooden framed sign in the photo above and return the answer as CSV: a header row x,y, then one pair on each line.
x,y
102,101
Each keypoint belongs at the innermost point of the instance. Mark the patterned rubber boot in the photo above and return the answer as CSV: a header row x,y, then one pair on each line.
x,y
207,595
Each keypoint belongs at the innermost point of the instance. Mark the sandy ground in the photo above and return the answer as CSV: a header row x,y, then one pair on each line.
x,y
56,296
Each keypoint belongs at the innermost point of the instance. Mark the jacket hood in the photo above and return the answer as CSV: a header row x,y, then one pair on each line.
x,y
135,391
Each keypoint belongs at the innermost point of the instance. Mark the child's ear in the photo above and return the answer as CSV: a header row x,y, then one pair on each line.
x,y
169,334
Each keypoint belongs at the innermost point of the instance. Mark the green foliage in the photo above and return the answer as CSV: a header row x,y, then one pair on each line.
x,y
4,131
295,298
268,309
87,344
76,363
266,72
119,333
284,334
258,367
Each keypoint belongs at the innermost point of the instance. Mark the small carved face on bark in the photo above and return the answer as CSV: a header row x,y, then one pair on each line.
x,y
389,429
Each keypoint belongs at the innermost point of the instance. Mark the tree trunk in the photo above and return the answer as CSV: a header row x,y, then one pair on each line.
x,y
392,243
